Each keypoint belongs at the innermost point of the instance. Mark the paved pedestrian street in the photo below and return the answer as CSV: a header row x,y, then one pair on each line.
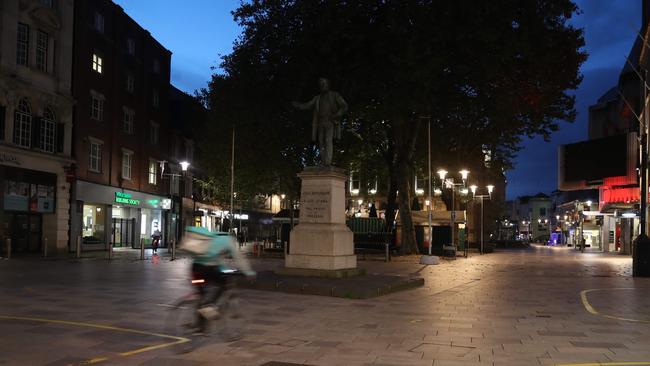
x,y
539,306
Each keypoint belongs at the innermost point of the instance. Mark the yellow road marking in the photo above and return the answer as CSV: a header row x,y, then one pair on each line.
x,y
94,360
607,364
590,309
177,340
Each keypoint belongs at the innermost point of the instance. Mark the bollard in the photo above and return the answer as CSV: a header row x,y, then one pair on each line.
x,y
173,249
79,246
44,247
8,248
141,249
387,253
110,251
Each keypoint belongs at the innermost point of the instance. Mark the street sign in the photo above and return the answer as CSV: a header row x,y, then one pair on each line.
x,y
453,215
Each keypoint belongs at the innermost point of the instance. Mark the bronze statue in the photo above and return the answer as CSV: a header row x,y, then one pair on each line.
x,y
329,107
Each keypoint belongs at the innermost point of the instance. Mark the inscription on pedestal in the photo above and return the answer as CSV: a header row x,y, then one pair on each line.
x,y
315,206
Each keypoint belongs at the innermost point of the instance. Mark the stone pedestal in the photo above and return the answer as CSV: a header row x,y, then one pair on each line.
x,y
321,244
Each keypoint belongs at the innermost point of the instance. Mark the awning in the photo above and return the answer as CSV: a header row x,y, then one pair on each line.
x,y
284,216
437,217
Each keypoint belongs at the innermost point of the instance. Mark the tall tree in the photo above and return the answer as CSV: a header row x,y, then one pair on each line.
x,y
485,72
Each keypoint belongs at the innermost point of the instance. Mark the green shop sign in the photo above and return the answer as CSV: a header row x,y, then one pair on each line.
x,y
125,198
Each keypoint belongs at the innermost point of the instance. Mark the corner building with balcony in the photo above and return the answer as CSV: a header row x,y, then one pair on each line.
x,y
121,137
35,123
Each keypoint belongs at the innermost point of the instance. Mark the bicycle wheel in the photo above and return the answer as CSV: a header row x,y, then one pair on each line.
x,y
232,323
181,321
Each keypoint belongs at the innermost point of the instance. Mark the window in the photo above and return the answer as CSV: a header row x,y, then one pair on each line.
x,y
22,47
95,157
420,184
155,98
97,63
99,22
42,40
487,156
93,229
156,66
127,163
153,172
127,120
47,3
355,183
48,131
542,211
23,124
130,46
97,108
130,83
153,134
3,111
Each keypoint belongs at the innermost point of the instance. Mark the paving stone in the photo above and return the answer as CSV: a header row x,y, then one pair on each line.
x,y
597,344
560,333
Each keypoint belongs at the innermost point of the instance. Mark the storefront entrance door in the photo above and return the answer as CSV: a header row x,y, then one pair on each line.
x,y
123,232
25,232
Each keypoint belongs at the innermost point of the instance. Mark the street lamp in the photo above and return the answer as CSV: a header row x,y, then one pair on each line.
x,y
184,165
490,188
449,183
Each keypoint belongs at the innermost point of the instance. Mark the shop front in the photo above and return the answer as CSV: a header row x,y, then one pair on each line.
x,y
33,203
121,217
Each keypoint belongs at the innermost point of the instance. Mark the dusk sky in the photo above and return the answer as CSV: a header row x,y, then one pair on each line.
x,y
202,30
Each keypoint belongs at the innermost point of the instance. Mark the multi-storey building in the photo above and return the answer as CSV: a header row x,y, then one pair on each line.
x,y
121,139
609,159
35,122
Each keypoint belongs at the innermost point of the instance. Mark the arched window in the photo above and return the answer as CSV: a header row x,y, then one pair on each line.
x,y
23,124
48,131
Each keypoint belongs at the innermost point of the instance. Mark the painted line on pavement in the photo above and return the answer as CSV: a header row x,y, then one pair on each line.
x,y
607,364
177,340
592,310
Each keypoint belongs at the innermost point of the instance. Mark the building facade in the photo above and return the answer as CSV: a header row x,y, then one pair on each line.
x,y
35,123
121,195
609,160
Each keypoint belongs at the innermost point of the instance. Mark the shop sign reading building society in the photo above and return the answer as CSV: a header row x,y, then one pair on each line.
x,y
315,206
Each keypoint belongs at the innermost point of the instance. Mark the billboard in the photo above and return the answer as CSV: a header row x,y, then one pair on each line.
x,y
587,164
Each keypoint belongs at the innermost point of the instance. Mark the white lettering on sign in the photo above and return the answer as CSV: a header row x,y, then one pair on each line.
x,y
9,158
315,206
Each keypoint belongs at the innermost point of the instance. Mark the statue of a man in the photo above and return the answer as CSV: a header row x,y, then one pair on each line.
x,y
329,107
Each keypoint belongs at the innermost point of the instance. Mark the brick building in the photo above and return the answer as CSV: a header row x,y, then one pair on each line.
x,y
122,136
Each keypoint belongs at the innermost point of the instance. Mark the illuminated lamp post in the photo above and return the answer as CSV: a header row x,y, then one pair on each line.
x,y
490,188
449,183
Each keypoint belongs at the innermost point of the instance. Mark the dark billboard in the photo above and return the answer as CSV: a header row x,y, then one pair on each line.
x,y
596,159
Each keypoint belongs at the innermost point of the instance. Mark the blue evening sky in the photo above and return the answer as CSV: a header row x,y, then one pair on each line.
x,y
199,31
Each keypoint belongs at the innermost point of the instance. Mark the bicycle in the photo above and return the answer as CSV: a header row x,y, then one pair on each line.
x,y
184,318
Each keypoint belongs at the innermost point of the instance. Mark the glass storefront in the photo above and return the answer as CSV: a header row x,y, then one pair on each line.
x,y
122,217
122,227
150,222
93,224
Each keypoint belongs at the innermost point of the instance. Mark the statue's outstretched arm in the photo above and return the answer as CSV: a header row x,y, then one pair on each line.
x,y
304,106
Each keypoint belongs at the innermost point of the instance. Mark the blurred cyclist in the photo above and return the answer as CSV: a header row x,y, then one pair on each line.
x,y
209,250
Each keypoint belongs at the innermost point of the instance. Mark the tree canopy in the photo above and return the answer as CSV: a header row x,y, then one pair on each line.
x,y
485,72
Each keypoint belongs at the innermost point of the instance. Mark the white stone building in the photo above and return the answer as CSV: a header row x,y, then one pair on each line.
x,y
35,123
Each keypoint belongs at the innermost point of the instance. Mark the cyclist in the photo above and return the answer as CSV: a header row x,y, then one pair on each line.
x,y
210,266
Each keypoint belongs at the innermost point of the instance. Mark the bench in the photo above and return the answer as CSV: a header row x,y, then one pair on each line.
x,y
374,243
449,250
